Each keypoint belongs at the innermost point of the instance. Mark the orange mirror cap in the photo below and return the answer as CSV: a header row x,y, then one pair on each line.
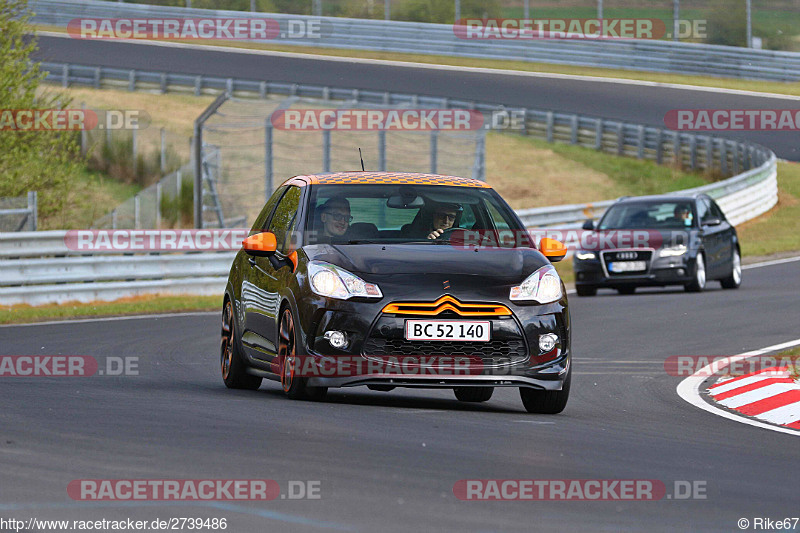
x,y
293,258
260,242
552,249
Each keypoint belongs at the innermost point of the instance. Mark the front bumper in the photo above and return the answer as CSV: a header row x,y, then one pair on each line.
x,y
661,271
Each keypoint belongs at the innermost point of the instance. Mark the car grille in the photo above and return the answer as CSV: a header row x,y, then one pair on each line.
x,y
626,256
494,352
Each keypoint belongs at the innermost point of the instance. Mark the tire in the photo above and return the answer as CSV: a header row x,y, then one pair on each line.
x,y
626,290
549,402
735,279
473,394
295,387
699,281
232,365
585,290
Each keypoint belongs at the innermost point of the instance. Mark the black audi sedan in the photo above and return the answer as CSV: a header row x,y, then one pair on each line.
x,y
658,241
393,280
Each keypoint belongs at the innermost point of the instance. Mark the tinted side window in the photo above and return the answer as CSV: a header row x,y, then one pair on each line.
x,y
702,209
284,218
261,222
716,211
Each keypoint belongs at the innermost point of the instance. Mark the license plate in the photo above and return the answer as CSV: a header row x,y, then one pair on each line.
x,y
448,330
627,266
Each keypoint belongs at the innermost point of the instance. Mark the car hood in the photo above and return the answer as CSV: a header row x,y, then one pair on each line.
x,y
511,264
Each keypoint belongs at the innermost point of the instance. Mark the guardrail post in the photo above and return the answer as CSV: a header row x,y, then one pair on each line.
x,y
709,153
163,150
132,80
382,150
598,134
677,156
549,126
65,76
178,184
735,157
198,85
158,204
723,156
84,133
114,219
163,83
326,150
660,146
387,98
229,86
621,139
135,150
434,150
268,166
33,207
262,90
136,208
574,130
640,142
693,151
97,78
524,121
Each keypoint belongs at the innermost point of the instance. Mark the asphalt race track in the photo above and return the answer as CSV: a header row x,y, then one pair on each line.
x,y
388,461
634,103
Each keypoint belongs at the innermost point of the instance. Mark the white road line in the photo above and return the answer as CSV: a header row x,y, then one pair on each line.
x,y
689,389
786,414
761,393
456,68
773,262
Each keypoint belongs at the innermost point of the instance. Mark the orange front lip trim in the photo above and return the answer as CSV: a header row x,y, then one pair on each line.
x,y
446,303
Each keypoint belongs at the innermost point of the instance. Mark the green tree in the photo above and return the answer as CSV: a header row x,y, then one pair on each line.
x,y
43,161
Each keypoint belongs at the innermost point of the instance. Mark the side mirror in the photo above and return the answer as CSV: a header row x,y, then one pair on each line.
x,y
712,222
261,244
552,249
588,225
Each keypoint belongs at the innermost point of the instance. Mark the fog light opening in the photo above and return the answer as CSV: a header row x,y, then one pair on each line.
x,y
336,339
547,342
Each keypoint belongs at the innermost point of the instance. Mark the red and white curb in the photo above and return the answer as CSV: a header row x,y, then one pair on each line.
x,y
769,398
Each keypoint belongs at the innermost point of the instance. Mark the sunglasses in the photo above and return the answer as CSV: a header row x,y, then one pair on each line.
x,y
448,216
340,217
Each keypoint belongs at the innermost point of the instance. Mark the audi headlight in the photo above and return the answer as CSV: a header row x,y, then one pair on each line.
x,y
583,256
335,282
672,251
543,286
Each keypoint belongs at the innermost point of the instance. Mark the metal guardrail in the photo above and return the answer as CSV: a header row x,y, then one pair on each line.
x,y
440,39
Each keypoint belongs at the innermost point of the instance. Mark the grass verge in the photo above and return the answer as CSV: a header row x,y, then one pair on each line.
x,y
127,306
779,229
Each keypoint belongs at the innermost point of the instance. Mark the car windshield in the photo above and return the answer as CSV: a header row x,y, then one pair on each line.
x,y
363,214
649,215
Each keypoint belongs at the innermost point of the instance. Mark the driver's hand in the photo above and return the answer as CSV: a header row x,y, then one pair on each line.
x,y
435,233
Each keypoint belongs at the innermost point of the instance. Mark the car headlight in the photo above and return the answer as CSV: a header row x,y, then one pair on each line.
x,y
543,286
580,254
335,282
672,251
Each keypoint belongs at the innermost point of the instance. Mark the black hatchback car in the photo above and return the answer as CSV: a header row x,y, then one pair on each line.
x,y
658,241
376,279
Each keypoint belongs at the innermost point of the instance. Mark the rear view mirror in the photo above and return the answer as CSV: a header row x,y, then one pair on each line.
x,y
552,249
712,222
405,202
588,225
261,244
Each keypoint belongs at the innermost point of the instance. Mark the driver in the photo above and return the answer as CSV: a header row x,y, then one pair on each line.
x,y
683,214
444,217
335,219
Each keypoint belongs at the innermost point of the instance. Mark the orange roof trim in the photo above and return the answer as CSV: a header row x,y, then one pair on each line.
x,y
385,178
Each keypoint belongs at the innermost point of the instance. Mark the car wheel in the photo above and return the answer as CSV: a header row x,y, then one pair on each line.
x,y
735,279
549,402
473,394
293,385
626,290
234,369
699,281
584,290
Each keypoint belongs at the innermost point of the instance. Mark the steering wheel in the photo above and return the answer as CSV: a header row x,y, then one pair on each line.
x,y
446,233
